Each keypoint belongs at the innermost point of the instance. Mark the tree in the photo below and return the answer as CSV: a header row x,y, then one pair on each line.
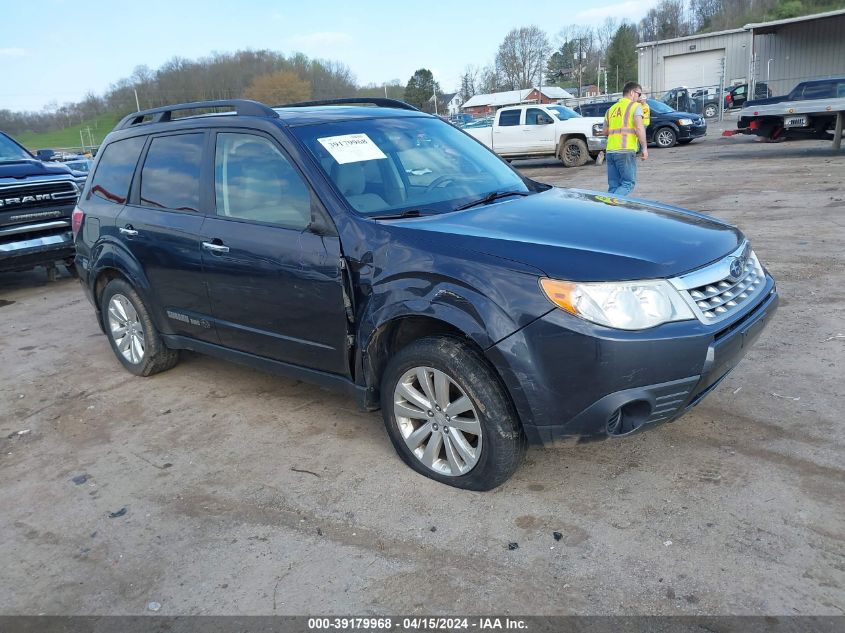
x,y
665,21
421,88
622,57
522,57
284,86
469,82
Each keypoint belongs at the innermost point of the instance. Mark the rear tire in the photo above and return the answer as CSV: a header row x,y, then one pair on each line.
x,y
574,153
478,446
132,335
710,111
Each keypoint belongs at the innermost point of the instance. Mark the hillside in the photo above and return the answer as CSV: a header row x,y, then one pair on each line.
x,y
69,137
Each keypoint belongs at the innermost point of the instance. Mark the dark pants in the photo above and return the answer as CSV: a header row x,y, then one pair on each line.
x,y
621,172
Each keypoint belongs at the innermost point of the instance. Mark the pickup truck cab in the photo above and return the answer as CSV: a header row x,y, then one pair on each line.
x,y
529,131
36,202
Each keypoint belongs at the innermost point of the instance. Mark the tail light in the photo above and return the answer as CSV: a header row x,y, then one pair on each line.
x,y
76,221
728,98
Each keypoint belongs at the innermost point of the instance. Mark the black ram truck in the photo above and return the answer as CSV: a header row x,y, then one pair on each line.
x,y
36,203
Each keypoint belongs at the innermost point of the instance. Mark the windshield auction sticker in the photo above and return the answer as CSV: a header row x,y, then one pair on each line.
x,y
351,148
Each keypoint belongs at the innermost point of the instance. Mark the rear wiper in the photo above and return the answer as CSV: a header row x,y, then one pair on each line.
x,y
408,213
490,197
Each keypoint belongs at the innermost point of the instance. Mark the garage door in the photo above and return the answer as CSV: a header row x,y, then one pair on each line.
x,y
693,69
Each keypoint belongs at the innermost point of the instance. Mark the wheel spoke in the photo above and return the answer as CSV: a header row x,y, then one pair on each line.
x,y
121,309
467,425
123,343
413,396
461,405
432,450
137,350
418,437
463,447
441,388
403,410
118,331
113,312
425,382
451,457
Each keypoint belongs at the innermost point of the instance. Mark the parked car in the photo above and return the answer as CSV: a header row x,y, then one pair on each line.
x,y
480,309
36,202
460,119
528,131
704,102
666,127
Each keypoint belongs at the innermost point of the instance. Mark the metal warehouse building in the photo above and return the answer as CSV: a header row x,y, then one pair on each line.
x,y
781,53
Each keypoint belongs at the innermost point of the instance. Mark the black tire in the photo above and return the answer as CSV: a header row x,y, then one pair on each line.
x,y
156,356
710,111
685,141
502,440
70,267
665,137
574,153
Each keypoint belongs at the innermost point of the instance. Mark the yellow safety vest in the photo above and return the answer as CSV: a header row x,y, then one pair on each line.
x,y
619,123
646,114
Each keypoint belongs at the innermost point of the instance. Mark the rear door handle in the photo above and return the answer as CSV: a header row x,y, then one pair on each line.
x,y
128,230
215,248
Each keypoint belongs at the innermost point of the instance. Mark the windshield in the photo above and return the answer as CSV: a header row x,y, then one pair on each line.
x,y
387,166
9,150
658,106
562,112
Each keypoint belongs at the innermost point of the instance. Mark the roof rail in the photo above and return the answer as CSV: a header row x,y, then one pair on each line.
x,y
243,107
376,101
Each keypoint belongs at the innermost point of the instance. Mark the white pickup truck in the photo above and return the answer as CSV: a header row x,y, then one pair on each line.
x,y
543,130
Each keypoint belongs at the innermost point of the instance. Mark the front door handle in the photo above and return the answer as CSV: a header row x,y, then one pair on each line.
x,y
215,248
128,230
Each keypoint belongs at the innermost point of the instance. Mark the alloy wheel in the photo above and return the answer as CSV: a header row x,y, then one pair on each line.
x,y
665,138
126,329
438,421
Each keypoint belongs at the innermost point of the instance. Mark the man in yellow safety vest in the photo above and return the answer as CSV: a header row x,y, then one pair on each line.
x,y
623,126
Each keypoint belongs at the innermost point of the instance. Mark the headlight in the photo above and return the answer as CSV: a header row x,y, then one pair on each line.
x,y
684,121
625,305
598,128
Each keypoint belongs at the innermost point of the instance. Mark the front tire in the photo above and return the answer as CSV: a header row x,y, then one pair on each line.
x,y
449,417
710,111
574,153
665,137
132,335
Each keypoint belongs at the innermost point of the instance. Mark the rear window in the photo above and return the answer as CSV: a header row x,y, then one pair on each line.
x,y
170,178
115,169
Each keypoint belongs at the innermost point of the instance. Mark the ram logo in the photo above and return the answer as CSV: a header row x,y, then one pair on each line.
x,y
39,197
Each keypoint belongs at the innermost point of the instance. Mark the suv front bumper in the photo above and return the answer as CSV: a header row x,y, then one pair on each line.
x,y
572,380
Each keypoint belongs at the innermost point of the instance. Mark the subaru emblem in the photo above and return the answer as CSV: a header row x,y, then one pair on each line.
x,y
738,267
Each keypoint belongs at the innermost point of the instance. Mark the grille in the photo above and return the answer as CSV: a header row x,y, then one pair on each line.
x,y
22,198
720,299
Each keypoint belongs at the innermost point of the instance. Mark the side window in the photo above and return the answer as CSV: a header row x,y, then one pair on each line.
x,y
115,169
509,117
253,180
170,178
819,91
740,90
840,90
531,116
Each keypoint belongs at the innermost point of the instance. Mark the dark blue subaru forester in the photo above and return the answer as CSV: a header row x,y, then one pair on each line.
x,y
382,251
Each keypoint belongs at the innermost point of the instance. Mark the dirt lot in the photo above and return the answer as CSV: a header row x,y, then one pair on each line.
x,y
739,507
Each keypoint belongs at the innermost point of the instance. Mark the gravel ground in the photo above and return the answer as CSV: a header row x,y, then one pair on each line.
x,y
251,494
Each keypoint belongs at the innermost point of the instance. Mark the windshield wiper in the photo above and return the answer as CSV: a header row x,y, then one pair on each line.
x,y
490,197
408,213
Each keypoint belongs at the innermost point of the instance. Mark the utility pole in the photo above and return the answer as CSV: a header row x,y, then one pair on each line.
x,y
434,94
137,105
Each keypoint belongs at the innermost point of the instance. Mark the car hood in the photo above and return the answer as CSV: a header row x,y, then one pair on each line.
x,y
582,235
26,168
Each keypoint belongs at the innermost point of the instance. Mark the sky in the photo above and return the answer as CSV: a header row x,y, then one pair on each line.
x,y
58,50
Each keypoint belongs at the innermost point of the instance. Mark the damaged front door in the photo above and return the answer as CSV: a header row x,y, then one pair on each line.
x,y
276,287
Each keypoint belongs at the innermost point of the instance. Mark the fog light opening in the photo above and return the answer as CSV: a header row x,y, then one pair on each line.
x,y
628,418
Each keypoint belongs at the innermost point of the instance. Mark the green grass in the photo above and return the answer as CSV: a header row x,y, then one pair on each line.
x,y
69,136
